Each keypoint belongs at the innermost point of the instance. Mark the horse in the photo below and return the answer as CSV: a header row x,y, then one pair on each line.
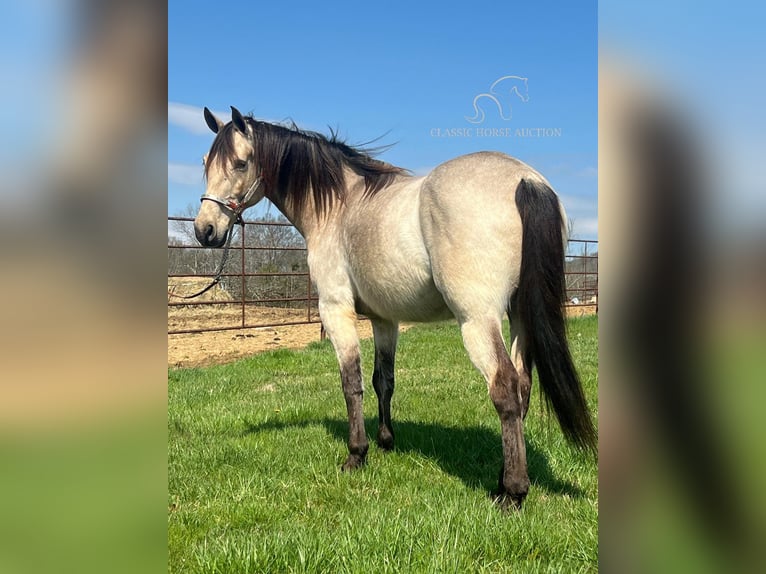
x,y
480,237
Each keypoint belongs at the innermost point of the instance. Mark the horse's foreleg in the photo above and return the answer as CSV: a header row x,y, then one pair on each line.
x,y
386,334
351,378
340,325
484,343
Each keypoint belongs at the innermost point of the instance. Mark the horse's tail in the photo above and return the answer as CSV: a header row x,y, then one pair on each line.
x,y
540,306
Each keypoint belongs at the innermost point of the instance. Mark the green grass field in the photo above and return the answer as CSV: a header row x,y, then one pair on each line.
x,y
254,481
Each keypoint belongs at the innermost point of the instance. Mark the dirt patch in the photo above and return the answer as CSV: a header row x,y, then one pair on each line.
x,y
231,315
581,310
214,348
203,349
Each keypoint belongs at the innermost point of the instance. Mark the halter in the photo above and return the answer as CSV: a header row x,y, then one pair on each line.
x,y
236,207
232,203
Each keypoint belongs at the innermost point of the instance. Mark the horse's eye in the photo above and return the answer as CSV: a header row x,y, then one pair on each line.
x,y
239,165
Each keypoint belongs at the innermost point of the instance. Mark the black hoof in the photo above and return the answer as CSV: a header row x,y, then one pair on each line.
x,y
508,502
385,439
353,462
510,498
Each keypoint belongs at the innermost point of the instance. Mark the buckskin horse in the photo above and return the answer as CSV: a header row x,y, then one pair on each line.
x,y
480,236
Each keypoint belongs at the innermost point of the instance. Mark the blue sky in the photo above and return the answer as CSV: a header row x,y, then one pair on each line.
x,y
408,70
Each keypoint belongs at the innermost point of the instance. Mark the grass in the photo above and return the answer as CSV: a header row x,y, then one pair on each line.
x,y
254,455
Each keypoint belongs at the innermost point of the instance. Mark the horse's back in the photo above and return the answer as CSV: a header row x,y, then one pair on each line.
x,y
472,229
480,176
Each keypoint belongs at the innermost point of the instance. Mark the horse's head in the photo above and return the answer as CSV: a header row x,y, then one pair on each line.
x,y
233,179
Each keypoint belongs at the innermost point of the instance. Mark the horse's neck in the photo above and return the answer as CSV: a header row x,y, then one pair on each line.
x,y
299,221
307,222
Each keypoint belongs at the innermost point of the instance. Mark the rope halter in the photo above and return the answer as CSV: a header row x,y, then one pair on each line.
x,y
232,203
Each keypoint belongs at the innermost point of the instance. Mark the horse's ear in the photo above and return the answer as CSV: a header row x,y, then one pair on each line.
x,y
212,122
238,121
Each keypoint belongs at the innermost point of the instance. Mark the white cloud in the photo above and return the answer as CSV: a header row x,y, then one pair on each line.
x,y
185,174
191,118
187,117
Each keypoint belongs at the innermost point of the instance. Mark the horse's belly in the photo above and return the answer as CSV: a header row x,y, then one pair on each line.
x,y
406,297
396,283
389,263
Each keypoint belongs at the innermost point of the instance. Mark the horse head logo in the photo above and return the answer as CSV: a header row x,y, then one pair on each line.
x,y
500,94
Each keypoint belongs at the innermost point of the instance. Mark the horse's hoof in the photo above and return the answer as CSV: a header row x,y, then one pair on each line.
x,y
385,440
511,492
508,502
353,462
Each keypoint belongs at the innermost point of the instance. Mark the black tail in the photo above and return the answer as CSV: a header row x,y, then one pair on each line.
x,y
539,302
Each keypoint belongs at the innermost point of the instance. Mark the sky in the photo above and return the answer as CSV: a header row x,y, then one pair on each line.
x,y
405,72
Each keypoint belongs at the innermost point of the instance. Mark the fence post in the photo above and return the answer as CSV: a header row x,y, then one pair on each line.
x,y
242,269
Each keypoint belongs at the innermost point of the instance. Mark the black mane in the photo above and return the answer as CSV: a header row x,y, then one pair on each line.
x,y
296,163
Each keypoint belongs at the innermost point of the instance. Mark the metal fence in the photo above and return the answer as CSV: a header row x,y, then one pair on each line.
x,y
266,280
582,273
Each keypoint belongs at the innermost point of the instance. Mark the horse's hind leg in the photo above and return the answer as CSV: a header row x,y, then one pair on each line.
x,y
386,334
520,358
484,342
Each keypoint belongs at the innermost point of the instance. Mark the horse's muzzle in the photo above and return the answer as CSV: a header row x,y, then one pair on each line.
x,y
208,237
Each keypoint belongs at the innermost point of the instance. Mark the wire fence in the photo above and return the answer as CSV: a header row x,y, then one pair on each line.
x,y
582,273
266,280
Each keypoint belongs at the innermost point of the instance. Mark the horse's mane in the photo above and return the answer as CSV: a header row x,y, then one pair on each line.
x,y
300,164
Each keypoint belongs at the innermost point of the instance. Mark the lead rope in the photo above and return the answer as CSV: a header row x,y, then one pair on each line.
x,y
219,271
237,207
